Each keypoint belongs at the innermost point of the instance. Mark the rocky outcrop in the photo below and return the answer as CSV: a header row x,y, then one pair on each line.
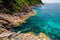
x,y
7,35
10,21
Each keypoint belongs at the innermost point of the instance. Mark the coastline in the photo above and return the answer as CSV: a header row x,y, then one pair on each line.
x,y
13,14
7,35
23,36
14,20
10,21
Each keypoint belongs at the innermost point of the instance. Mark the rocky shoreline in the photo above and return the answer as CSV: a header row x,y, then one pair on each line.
x,y
8,21
11,21
7,35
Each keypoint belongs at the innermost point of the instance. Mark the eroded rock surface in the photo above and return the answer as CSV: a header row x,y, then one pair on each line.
x,y
10,21
6,35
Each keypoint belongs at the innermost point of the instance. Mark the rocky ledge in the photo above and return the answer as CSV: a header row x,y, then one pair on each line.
x,y
11,21
7,35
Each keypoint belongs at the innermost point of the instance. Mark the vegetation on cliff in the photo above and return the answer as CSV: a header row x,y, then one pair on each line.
x,y
20,10
19,5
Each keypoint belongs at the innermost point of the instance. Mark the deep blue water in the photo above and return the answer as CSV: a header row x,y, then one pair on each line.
x,y
47,21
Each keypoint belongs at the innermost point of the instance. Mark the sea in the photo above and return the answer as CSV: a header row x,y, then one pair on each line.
x,y
46,20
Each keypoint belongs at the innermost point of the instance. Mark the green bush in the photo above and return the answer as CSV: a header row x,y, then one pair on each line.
x,y
18,5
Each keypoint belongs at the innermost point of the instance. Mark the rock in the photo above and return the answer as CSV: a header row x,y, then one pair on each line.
x,y
11,21
43,37
8,21
6,35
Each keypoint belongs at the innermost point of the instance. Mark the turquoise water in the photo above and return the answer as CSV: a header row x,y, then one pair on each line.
x,y
47,21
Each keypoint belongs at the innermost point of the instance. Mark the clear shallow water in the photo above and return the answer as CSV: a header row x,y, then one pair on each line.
x,y
47,20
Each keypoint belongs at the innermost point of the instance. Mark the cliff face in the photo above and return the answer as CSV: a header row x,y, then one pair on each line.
x,y
8,21
11,21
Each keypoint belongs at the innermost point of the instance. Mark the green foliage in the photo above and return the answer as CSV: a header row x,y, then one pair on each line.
x,y
18,5
0,4
0,1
